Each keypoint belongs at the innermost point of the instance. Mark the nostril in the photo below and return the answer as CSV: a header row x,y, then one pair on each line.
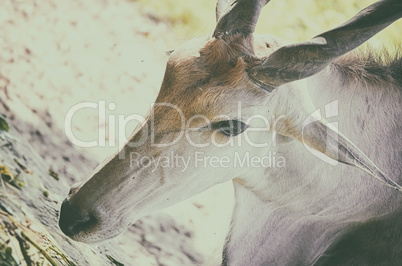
x,y
72,220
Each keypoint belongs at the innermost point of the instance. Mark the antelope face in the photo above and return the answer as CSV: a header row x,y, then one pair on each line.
x,y
221,97
208,112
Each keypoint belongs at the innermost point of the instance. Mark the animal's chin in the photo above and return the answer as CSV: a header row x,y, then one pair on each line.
x,y
96,235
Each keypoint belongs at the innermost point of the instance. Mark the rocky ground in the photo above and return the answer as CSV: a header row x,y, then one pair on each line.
x,y
54,55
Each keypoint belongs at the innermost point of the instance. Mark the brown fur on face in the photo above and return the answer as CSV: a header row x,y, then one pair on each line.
x,y
201,78
216,61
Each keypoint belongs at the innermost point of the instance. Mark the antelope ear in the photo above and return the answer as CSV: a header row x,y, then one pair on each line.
x,y
323,139
298,61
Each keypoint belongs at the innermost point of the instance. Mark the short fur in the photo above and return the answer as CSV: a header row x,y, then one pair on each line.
x,y
371,67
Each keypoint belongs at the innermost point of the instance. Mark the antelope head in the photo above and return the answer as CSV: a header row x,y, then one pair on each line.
x,y
221,97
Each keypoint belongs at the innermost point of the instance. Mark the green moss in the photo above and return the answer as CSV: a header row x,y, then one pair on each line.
x,y
53,174
3,124
114,261
6,256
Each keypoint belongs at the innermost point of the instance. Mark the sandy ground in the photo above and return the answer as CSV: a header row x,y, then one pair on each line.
x,y
57,54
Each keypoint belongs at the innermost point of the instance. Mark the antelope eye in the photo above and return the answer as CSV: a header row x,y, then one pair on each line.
x,y
230,128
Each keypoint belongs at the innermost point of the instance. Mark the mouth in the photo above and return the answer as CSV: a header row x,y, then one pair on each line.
x,y
78,227
85,227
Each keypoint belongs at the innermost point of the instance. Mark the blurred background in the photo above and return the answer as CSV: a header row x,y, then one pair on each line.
x,y
290,19
56,54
